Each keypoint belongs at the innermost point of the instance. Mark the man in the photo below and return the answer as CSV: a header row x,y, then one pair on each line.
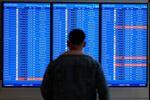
x,y
74,75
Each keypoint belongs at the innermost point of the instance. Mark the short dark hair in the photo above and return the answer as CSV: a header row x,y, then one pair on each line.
x,y
76,36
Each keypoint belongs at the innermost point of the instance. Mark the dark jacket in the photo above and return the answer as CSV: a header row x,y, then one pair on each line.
x,y
74,77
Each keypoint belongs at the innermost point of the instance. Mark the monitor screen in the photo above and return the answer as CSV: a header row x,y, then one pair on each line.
x,y
124,44
26,43
71,16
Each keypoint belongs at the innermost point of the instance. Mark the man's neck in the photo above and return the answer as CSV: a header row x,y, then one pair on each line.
x,y
74,52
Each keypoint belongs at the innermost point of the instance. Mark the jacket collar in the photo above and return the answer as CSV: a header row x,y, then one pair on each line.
x,y
73,52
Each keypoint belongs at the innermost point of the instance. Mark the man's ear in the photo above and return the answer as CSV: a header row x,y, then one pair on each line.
x,y
84,44
68,44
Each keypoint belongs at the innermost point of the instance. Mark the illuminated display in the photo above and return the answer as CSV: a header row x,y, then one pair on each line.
x,y
122,40
124,44
71,16
26,43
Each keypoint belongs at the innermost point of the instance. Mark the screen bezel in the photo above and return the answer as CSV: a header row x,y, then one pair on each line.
x,y
76,3
2,15
100,32
51,35
147,73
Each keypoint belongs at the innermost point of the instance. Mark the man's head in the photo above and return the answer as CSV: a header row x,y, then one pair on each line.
x,y
76,39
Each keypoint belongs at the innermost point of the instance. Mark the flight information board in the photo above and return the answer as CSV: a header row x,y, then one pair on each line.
x,y
124,44
26,43
70,16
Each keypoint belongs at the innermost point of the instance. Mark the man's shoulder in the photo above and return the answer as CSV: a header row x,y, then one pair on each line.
x,y
83,56
76,58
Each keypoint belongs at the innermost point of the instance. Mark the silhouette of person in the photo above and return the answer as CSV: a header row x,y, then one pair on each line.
x,y
74,75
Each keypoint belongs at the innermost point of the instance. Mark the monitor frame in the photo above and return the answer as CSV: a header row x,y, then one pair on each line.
x,y
2,23
148,45
100,32
99,46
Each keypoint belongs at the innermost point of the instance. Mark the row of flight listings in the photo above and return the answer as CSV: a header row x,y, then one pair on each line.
x,y
27,39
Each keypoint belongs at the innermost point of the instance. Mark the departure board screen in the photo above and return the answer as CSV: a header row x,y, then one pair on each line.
x,y
124,44
71,16
26,43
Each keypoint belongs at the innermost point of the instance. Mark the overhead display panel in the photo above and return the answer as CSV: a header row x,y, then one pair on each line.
x,y
124,44
26,43
70,16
